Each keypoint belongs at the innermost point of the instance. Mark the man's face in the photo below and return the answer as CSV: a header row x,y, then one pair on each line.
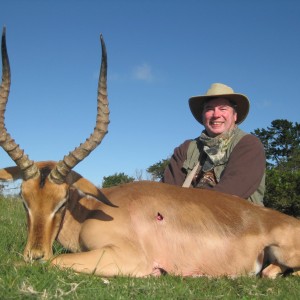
x,y
218,116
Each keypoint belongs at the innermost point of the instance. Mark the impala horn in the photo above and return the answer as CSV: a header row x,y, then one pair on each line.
x,y
63,168
28,168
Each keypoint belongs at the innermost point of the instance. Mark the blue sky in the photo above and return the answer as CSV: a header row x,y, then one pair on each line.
x,y
160,53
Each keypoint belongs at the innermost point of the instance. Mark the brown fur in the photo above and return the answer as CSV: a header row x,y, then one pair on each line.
x,y
152,228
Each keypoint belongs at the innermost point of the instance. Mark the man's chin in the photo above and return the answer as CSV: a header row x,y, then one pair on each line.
x,y
215,131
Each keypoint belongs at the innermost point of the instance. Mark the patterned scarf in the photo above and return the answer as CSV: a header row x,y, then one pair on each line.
x,y
215,148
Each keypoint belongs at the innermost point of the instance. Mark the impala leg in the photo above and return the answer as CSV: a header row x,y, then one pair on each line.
x,y
273,270
285,256
296,272
106,261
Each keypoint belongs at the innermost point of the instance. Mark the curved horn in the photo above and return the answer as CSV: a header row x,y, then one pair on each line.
x,y
59,173
28,168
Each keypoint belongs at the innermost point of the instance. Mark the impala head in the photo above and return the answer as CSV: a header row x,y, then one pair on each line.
x,y
45,186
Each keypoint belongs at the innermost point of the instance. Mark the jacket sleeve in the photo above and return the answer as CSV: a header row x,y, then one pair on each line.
x,y
245,168
174,174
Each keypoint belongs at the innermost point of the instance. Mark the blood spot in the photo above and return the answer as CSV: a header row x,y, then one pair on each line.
x,y
159,217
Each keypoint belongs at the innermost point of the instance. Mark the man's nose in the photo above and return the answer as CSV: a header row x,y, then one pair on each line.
x,y
216,113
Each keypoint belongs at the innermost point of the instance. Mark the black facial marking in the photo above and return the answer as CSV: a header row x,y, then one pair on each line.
x,y
44,174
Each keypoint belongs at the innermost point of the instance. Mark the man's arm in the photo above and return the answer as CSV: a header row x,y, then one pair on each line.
x,y
245,168
173,173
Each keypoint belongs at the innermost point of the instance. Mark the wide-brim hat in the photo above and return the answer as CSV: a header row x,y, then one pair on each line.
x,y
219,90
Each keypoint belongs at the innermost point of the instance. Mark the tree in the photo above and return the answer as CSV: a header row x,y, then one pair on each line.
x,y
283,191
293,162
280,140
116,179
282,145
157,170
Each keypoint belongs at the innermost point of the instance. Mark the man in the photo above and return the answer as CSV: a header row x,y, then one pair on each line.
x,y
224,158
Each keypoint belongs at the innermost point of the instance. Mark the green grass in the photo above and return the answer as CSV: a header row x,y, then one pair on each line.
x,y
41,281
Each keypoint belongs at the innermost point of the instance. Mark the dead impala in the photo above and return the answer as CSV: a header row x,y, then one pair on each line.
x,y
142,228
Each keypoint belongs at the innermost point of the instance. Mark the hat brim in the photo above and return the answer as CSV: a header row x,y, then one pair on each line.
x,y
196,104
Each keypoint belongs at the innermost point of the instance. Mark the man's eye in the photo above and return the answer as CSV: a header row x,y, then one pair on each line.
x,y
224,108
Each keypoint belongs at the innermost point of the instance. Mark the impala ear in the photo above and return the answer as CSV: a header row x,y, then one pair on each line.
x,y
10,173
85,186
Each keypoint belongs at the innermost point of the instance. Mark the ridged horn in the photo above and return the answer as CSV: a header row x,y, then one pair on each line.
x,y
62,169
28,168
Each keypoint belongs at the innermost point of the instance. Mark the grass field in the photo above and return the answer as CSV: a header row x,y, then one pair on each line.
x,y
41,281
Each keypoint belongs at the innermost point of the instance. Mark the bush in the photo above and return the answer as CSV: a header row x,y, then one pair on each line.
x,y
283,191
116,179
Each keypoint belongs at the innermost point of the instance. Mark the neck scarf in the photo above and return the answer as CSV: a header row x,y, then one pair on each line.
x,y
215,148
